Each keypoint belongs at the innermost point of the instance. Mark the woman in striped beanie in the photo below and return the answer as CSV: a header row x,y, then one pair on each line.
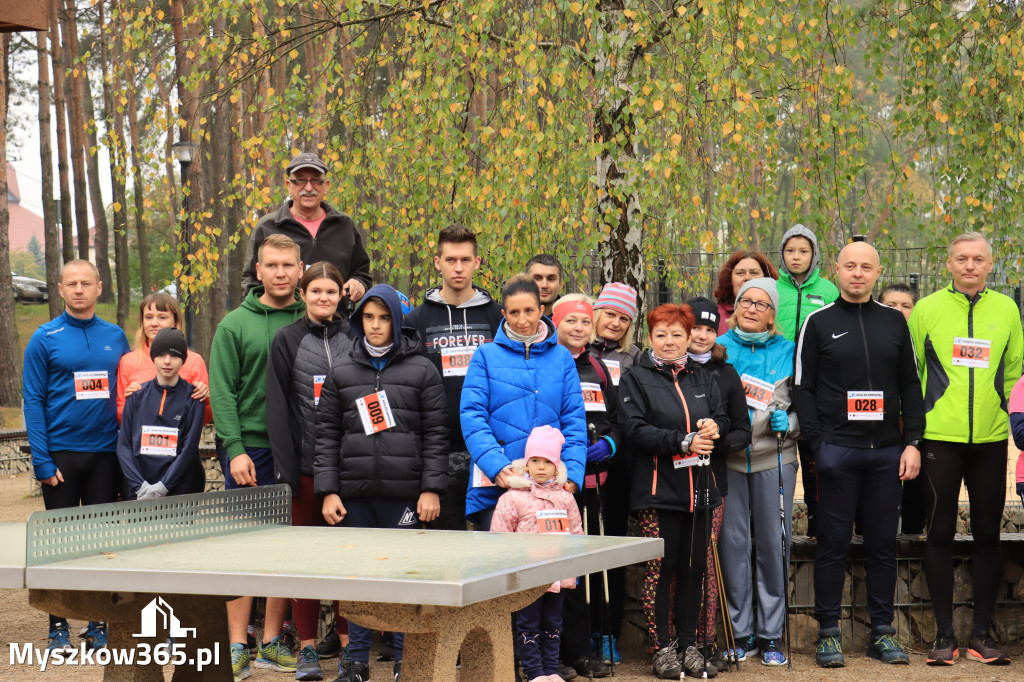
x,y
614,315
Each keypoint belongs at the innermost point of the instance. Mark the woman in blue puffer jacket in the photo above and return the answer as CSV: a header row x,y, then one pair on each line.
x,y
764,360
522,380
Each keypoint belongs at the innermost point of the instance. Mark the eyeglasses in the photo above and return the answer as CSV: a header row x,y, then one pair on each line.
x,y
302,182
759,306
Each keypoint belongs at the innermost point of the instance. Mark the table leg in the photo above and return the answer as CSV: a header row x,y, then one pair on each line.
x,y
434,635
122,612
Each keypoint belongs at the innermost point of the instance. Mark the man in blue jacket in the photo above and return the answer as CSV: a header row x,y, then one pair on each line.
x,y
68,381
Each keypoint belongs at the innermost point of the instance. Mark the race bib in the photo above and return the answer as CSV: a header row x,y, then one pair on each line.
x,y
969,352
375,412
759,393
865,406
92,386
318,386
455,360
593,397
553,521
479,479
685,461
614,370
159,440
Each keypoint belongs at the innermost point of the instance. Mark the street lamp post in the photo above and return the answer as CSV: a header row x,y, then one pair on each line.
x,y
184,150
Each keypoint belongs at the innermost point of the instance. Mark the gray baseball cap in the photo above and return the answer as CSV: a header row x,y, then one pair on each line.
x,y
306,160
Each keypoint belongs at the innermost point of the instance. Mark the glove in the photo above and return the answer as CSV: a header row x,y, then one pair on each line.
x,y
599,451
142,491
151,491
780,421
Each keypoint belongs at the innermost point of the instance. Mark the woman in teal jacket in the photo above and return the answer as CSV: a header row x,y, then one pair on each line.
x,y
522,380
764,360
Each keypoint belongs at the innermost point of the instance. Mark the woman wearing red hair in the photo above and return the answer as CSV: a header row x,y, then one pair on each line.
x,y
672,416
741,267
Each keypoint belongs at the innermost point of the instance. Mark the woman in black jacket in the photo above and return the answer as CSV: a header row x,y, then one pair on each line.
x,y
605,494
672,415
381,439
712,356
301,355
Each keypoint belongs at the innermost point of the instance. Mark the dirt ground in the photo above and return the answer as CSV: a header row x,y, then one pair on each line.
x,y
20,623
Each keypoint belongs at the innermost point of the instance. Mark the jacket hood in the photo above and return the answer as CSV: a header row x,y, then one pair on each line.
x,y
252,302
480,297
389,295
799,230
521,481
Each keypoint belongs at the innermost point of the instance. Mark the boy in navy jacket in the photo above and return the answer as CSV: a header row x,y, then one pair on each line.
x,y
158,445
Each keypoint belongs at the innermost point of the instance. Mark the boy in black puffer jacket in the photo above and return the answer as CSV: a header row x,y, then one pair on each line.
x,y
383,405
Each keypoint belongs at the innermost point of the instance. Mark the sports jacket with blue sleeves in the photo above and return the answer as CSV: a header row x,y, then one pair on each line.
x,y
166,407
508,391
56,419
859,347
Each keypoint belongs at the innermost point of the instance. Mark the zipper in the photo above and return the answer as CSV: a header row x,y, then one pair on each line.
x,y
327,347
970,372
162,399
867,360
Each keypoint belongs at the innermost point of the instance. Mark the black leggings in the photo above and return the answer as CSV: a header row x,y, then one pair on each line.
x,y
680,530
982,467
89,478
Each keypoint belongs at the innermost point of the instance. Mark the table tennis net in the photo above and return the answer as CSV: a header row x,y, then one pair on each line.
x,y
64,534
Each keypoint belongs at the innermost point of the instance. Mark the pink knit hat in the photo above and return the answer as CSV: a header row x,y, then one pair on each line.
x,y
619,297
545,442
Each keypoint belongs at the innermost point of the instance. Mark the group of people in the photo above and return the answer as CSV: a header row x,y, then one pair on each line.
x,y
537,412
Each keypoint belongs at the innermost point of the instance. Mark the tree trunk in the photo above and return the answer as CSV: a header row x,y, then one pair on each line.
x,y
99,211
67,225
10,347
76,127
118,166
138,189
51,239
623,257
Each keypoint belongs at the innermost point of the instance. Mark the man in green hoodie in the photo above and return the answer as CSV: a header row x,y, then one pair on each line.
x,y
802,290
238,370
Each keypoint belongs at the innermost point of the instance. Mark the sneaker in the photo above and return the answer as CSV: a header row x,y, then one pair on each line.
x,y
96,635
828,652
387,647
591,667
745,646
771,654
715,657
397,669
240,669
984,650
605,647
666,662
308,667
566,672
694,664
276,656
354,671
250,640
330,645
883,646
289,636
59,640
945,651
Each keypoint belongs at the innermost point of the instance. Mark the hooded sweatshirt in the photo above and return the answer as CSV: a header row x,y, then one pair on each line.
x,y
398,462
238,370
797,301
445,329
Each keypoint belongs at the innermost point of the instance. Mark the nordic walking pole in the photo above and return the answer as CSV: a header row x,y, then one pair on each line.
x,y
780,436
723,603
592,435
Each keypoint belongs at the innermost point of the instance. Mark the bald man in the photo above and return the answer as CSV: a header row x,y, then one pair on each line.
x,y
856,377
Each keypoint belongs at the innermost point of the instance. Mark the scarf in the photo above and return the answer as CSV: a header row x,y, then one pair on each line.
x,y
700,358
376,351
677,364
541,334
749,337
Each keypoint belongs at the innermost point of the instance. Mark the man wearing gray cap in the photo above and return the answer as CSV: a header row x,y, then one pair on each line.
x,y
322,232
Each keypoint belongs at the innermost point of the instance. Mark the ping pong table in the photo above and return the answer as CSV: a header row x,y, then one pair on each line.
x,y
446,590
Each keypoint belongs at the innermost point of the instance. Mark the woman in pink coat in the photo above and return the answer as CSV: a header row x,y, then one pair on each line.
x,y
537,502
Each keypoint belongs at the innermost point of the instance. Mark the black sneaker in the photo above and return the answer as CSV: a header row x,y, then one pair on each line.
x,y
289,636
945,651
354,671
330,645
716,658
567,672
387,647
591,667
984,650
397,669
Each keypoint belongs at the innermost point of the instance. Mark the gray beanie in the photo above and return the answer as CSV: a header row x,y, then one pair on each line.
x,y
765,284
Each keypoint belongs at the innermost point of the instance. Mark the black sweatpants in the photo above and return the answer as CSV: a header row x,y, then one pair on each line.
x,y
982,467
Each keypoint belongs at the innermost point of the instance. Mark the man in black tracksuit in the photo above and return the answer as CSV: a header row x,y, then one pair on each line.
x,y
856,376
321,231
453,320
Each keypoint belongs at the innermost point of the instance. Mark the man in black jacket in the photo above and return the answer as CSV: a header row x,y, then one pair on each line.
x,y
453,320
856,377
322,232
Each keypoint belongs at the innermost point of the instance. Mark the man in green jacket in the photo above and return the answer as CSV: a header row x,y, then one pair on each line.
x,y
238,371
969,347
